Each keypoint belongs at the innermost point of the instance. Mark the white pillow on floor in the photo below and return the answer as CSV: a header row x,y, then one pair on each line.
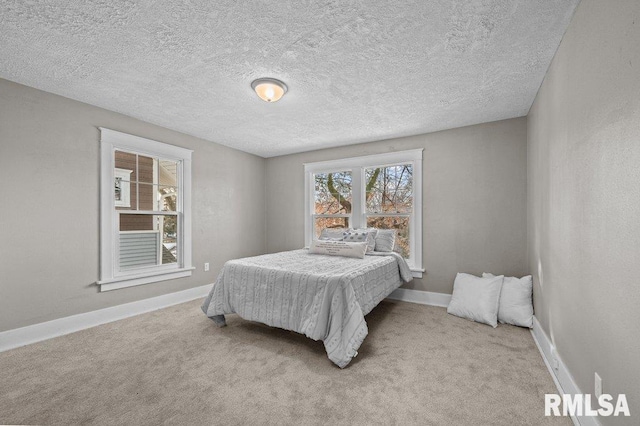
x,y
516,306
476,298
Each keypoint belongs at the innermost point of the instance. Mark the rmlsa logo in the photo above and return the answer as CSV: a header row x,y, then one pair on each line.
x,y
580,405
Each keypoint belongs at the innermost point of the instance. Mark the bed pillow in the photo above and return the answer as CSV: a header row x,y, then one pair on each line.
x,y
516,305
385,240
355,236
334,234
339,248
370,236
476,298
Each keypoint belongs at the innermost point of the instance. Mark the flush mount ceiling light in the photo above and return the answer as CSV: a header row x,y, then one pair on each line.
x,y
269,89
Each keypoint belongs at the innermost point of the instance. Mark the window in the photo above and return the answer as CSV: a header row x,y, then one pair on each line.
x,y
145,211
382,191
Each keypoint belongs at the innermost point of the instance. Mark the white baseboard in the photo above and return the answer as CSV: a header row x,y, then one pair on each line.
x,y
421,297
561,375
35,333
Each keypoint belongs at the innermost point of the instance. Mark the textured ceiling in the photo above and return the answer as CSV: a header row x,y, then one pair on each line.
x,y
357,71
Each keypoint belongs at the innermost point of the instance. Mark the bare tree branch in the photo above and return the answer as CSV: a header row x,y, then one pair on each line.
x,y
333,191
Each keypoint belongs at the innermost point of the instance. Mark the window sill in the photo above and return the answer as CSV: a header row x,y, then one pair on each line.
x,y
134,280
417,273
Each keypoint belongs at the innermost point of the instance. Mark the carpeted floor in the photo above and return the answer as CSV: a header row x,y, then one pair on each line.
x,y
417,366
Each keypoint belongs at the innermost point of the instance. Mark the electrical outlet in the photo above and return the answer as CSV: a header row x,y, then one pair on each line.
x,y
598,386
206,267
556,364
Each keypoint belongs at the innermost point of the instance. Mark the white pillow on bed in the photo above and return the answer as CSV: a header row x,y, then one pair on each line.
x,y
333,234
370,234
476,298
339,248
386,240
516,306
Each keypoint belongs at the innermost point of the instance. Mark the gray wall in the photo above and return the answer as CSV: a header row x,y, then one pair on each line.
x,y
584,199
474,192
49,222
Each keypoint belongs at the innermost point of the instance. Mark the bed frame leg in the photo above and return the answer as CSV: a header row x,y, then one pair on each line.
x,y
219,320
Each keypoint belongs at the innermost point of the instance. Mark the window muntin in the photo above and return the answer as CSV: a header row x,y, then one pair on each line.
x,y
145,205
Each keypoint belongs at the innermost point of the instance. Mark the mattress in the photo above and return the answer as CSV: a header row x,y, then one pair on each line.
x,y
323,297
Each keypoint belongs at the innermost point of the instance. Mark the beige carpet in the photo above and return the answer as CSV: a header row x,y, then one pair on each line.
x,y
417,366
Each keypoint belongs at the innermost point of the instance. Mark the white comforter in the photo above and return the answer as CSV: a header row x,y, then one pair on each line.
x,y
322,297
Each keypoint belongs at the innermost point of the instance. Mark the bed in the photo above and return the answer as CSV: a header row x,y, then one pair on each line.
x,y
323,297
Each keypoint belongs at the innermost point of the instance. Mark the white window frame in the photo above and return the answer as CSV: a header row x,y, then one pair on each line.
x,y
357,166
110,278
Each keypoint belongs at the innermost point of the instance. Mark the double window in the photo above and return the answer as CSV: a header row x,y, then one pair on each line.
x,y
145,211
377,191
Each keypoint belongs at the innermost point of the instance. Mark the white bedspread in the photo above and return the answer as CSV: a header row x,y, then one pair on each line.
x,y
322,297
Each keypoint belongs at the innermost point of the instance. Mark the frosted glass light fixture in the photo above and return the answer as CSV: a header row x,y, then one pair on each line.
x,y
269,89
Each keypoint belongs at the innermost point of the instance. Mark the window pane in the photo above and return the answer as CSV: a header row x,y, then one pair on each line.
x,y
157,197
124,173
147,240
400,224
329,222
147,196
167,172
333,193
146,166
169,226
389,189
168,199
127,161
123,189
